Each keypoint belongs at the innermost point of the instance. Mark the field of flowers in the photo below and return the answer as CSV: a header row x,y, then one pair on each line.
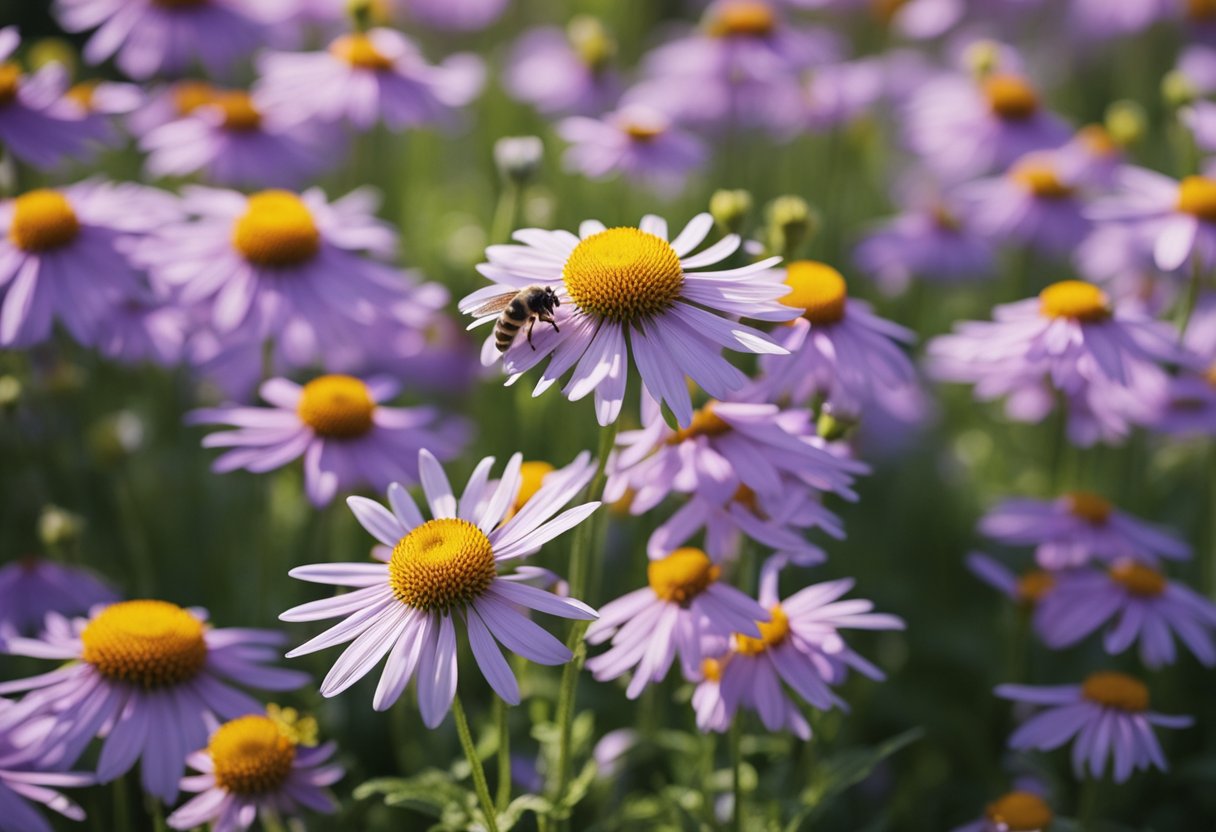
x,y
878,493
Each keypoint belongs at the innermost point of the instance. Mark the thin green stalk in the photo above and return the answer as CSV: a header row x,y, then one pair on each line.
x,y
580,557
504,755
505,212
1192,297
271,822
736,761
122,808
157,811
479,774
1087,804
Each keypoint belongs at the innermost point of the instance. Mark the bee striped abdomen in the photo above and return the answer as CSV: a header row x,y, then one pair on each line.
x,y
512,318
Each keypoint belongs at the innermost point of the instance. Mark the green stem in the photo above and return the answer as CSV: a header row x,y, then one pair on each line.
x,y
157,811
1192,297
1087,806
736,759
505,212
271,822
122,809
580,556
504,755
479,774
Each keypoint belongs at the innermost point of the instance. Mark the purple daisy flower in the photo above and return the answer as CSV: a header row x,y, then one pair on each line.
x,y
441,571
961,126
931,240
628,290
1120,259
684,606
560,72
1149,607
272,257
801,646
1178,219
1107,715
454,15
1016,811
170,102
64,256
341,428
1077,528
147,37
838,348
364,78
742,67
1105,358
231,141
637,141
1191,409
1100,20
37,123
103,103
143,329
727,446
31,587
1028,588
256,765
148,676
23,783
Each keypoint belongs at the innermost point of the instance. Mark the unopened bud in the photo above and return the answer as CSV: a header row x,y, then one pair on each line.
x,y
595,47
518,158
1126,122
58,527
52,51
1177,89
791,222
730,209
833,428
117,436
362,14
983,58
10,391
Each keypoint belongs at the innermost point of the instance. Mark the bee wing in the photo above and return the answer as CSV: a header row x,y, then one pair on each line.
x,y
492,306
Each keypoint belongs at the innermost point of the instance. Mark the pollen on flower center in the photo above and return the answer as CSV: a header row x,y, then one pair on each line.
x,y
10,82
1138,579
359,51
1010,97
623,275
1091,507
1033,585
83,93
251,755
742,18
817,289
277,229
772,634
240,116
1116,690
150,643
337,406
1020,812
704,423
43,220
188,96
442,564
1040,180
1074,299
1197,196
711,669
643,133
682,575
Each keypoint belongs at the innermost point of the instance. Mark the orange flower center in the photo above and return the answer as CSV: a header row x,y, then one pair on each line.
x,y
818,290
742,18
277,229
1197,197
337,406
772,634
1089,506
1040,180
711,669
1116,690
10,82
682,575
1138,579
1074,299
442,564
359,51
704,423
251,755
623,275
1201,10
1020,812
82,94
1010,97
43,220
188,96
154,644
240,116
1033,585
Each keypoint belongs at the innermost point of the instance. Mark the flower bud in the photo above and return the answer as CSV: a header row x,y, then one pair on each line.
x,y
1126,122
58,527
730,209
1177,89
518,158
791,222
595,47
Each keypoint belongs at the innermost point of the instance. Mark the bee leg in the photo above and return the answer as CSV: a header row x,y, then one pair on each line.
x,y
531,326
549,320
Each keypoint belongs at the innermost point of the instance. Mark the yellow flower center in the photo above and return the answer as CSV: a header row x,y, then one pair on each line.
x,y
337,406
1040,180
817,289
442,564
251,755
682,575
10,82
704,423
531,478
188,96
1089,506
359,51
742,18
1197,196
43,220
82,94
1097,140
1020,812
1201,10
1210,375
623,275
240,116
643,132
1010,97
150,643
711,669
1138,579
772,634
1074,299
1033,585
1116,690
745,497
277,229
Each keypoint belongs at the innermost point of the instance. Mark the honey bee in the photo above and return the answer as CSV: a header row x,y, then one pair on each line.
x,y
527,306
